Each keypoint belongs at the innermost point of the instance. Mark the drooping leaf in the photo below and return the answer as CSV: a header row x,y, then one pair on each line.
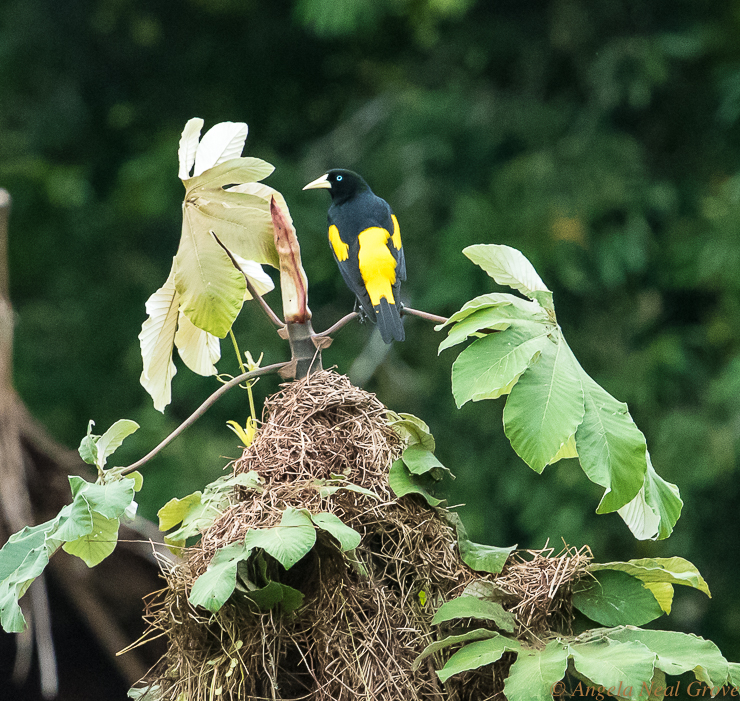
x,y
654,511
348,537
87,450
188,147
507,266
615,665
157,338
674,570
472,607
526,309
535,672
475,655
289,541
489,367
437,645
403,482
199,350
261,281
611,449
420,461
274,594
411,429
217,583
615,598
679,652
112,439
545,406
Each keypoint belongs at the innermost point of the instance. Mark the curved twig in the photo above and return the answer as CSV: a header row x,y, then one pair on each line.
x,y
207,404
424,315
342,322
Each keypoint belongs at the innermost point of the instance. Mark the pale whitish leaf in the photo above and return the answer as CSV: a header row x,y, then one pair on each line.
x,y
157,338
507,266
487,368
615,665
437,645
475,655
188,146
210,286
535,672
260,280
198,349
265,193
657,499
611,449
111,440
675,570
473,607
679,653
614,598
220,143
545,406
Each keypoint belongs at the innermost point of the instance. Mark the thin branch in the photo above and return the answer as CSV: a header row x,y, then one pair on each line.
x,y
274,318
424,315
207,404
342,322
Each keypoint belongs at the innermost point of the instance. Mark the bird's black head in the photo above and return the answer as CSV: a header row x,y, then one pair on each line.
x,y
342,184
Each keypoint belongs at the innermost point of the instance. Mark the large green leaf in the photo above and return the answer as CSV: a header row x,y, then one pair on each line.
x,y
621,667
679,652
403,482
611,449
217,583
473,607
287,542
437,645
420,461
674,570
23,558
348,537
475,655
546,405
526,309
210,287
93,547
483,558
490,366
535,672
615,598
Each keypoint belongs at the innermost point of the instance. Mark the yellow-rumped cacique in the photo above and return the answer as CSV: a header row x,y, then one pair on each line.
x,y
366,241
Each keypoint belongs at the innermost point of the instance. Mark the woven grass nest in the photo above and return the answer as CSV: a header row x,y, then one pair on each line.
x,y
358,632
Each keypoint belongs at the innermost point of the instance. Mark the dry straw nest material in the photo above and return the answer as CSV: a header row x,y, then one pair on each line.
x,y
361,625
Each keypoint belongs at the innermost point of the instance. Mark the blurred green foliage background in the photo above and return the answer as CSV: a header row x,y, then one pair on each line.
x,y
600,137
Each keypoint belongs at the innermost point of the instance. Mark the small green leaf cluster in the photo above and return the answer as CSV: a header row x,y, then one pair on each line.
x,y
554,409
242,565
87,528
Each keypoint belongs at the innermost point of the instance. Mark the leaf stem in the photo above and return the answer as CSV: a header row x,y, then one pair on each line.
x,y
268,369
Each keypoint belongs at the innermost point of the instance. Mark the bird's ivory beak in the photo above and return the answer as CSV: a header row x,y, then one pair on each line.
x,y
322,182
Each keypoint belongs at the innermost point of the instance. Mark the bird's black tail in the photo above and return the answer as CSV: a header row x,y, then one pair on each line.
x,y
389,321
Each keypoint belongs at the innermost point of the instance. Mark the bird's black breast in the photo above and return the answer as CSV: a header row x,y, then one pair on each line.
x,y
359,213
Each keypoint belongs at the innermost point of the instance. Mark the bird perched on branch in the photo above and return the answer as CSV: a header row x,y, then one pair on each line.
x,y
366,241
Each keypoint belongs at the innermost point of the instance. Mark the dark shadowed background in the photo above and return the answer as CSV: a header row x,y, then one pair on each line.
x,y
600,137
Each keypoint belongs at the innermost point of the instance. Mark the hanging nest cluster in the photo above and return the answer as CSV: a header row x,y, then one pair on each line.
x,y
363,623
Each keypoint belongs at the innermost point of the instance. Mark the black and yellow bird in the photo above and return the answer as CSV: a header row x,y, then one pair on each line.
x,y
366,241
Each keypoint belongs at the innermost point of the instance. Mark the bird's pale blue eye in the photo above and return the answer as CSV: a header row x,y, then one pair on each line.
x,y
339,177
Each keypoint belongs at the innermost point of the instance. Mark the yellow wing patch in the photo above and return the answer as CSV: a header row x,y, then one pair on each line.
x,y
396,238
341,249
377,264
